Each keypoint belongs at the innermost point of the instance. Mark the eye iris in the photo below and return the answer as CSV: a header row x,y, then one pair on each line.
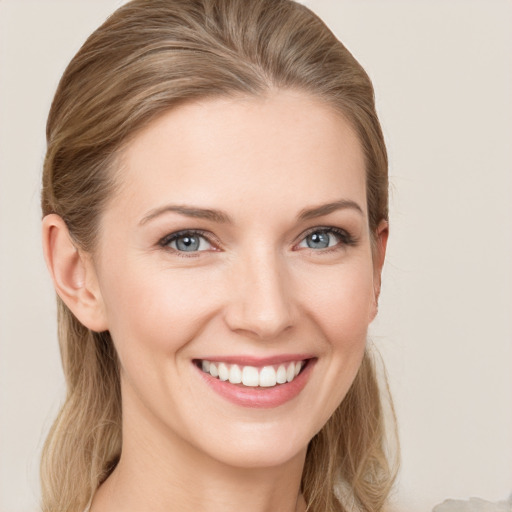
x,y
187,243
318,240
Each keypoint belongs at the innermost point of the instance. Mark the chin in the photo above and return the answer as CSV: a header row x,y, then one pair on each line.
x,y
255,444
260,454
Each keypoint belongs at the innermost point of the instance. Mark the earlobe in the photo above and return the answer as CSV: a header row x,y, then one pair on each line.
x,y
73,274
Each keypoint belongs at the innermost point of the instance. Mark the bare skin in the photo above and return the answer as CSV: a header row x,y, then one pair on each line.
x,y
283,268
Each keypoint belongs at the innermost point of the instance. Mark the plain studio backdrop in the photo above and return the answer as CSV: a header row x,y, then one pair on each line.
x,y
442,71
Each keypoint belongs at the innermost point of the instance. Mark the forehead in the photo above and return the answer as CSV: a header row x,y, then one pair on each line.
x,y
287,147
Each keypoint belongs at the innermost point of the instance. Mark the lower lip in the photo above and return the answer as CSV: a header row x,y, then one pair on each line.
x,y
259,397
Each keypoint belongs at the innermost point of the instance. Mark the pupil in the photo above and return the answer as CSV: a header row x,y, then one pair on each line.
x,y
187,243
318,240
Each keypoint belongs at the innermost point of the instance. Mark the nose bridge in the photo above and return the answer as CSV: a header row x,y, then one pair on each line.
x,y
261,303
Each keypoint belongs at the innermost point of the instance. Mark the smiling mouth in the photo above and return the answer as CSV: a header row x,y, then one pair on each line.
x,y
252,376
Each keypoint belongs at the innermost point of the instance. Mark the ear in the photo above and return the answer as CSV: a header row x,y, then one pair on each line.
x,y
73,274
379,246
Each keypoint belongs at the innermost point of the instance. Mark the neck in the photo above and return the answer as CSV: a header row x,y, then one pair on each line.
x,y
144,485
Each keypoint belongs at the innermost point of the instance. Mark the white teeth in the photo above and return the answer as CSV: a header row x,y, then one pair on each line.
x,y
223,372
290,372
265,377
281,374
235,374
250,376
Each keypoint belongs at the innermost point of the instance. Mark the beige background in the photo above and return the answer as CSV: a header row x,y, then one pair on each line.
x,y
443,77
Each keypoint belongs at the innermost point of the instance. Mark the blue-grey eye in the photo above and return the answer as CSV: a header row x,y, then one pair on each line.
x,y
189,242
320,239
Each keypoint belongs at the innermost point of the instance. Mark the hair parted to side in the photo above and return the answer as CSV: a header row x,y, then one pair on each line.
x,y
148,57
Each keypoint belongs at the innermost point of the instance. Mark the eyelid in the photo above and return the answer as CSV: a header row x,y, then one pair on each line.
x,y
346,238
208,236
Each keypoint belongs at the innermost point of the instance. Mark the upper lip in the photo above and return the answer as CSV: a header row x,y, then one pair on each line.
x,y
244,360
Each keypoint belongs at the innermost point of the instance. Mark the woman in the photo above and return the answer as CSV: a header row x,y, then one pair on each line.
x,y
215,224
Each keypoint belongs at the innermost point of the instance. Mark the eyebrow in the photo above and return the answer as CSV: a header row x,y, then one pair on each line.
x,y
325,209
223,218
189,211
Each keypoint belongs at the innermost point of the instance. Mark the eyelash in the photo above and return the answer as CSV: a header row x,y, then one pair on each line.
x,y
166,240
346,239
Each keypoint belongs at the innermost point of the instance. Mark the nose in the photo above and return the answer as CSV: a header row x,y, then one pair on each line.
x,y
261,301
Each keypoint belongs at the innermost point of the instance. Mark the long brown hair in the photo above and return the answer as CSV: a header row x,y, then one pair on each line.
x,y
148,57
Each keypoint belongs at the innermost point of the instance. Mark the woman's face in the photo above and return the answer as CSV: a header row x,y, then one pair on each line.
x,y
238,244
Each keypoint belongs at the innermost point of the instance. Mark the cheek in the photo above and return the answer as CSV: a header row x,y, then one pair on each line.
x,y
338,300
159,310
341,302
152,316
